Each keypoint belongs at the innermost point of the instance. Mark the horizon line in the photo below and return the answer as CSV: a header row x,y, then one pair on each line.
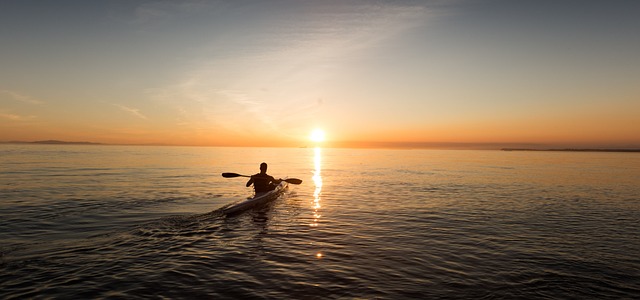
x,y
517,146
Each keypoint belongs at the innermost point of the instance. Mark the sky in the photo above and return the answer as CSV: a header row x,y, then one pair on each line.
x,y
267,73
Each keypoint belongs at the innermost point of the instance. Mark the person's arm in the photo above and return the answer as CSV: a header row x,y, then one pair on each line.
x,y
250,181
275,181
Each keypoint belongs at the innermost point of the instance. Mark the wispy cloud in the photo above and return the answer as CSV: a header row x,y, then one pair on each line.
x,y
14,117
20,97
255,108
273,67
133,111
162,10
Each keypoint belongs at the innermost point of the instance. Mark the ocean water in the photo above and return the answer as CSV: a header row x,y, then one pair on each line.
x,y
142,222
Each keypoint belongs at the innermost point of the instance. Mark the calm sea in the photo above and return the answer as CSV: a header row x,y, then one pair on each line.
x,y
141,222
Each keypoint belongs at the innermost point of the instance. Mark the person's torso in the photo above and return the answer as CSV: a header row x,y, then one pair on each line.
x,y
262,182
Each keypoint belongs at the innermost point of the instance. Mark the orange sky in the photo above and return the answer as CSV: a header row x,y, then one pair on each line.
x,y
267,74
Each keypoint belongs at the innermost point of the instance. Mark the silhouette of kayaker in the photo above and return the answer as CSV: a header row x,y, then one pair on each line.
x,y
263,182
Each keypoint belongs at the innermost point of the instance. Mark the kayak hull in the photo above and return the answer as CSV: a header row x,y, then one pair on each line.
x,y
257,200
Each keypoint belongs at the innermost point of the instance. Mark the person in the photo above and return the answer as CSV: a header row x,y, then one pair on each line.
x,y
263,182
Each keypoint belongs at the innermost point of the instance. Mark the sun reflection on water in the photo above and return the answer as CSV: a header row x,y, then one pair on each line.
x,y
317,181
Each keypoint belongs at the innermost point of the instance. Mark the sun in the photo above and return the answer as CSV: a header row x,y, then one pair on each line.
x,y
317,135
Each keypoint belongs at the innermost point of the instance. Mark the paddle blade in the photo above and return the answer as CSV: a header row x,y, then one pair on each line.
x,y
293,180
230,175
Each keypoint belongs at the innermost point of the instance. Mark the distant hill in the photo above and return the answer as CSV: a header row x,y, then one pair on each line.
x,y
573,150
53,142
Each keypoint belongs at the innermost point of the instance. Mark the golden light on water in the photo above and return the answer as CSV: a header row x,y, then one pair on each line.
x,y
317,181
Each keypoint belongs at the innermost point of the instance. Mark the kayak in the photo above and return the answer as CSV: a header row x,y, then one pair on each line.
x,y
256,200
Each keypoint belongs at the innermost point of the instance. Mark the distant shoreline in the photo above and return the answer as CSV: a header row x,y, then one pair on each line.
x,y
434,146
53,142
573,150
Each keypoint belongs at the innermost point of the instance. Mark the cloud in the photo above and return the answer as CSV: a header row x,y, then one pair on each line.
x,y
162,10
321,33
276,63
250,105
133,111
20,97
14,117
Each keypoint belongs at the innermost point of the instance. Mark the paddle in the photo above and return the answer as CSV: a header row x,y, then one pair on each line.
x,y
233,175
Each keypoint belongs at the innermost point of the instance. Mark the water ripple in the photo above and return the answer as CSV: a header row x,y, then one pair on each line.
x,y
427,225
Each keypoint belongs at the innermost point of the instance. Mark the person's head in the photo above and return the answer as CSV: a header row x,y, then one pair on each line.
x,y
263,167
